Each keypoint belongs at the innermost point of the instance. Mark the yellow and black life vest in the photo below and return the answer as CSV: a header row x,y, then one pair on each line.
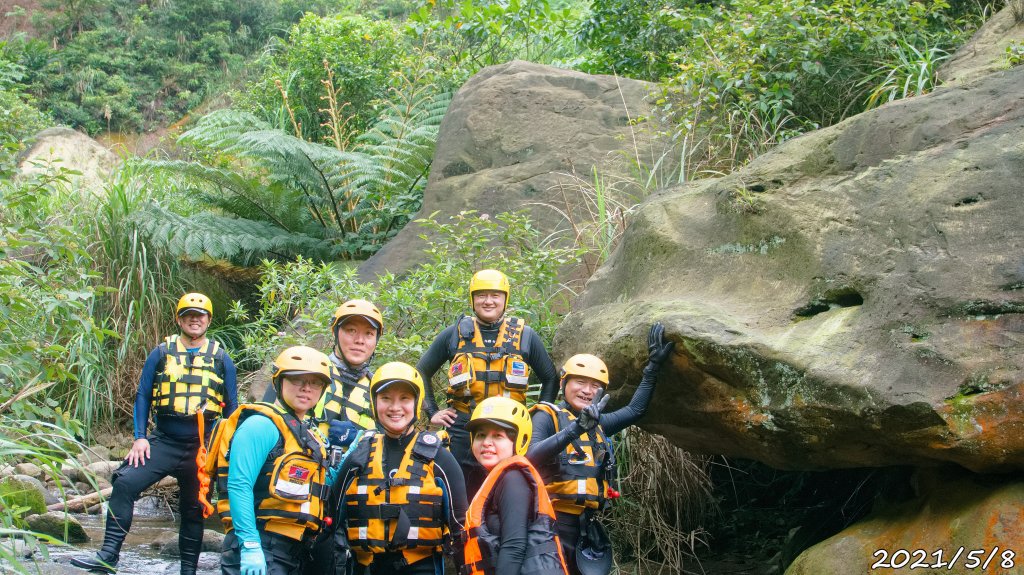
x,y
401,513
478,371
189,381
347,398
543,548
290,491
579,480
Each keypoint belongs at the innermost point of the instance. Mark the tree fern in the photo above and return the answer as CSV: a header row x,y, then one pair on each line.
x,y
266,193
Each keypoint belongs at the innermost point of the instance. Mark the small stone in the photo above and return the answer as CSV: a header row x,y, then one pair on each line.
x,y
30,469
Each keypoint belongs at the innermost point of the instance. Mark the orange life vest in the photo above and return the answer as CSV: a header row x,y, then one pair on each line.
x,y
543,548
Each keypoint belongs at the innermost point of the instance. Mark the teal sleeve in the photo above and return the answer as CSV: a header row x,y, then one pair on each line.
x,y
250,447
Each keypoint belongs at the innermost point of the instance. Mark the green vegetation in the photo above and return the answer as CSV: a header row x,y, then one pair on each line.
x,y
321,153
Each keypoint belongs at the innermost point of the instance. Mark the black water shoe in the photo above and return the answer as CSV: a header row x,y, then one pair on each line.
x,y
96,565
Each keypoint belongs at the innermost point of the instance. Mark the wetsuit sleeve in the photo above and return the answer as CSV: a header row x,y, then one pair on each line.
x,y
144,395
510,498
251,445
448,470
437,354
230,379
620,419
546,445
543,367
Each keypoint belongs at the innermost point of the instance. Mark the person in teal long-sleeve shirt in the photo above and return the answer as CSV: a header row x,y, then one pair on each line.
x,y
278,473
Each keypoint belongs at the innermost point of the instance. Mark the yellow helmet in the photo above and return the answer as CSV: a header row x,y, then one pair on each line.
x,y
194,302
359,307
585,365
507,413
393,372
298,360
488,280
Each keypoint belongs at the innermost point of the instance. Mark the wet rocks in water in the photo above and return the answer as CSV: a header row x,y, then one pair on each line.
x,y
58,525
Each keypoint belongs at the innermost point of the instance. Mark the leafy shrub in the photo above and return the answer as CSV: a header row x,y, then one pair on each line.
x,y
362,55
19,117
753,73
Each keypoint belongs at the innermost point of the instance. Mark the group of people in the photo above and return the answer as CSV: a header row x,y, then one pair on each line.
x,y
330,473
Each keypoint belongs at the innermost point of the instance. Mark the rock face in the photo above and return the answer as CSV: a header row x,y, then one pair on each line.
x,y
983,520
853,298
986,52
511,135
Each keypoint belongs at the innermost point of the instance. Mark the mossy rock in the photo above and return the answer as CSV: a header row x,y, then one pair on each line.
x,y
16,493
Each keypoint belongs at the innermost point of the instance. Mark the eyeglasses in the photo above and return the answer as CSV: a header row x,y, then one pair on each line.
x,y
313,384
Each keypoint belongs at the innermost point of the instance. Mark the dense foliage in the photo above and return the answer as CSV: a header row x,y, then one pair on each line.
x,y
129,66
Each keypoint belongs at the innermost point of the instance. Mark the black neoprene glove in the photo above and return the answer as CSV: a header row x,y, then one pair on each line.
x,y
658,349
590,416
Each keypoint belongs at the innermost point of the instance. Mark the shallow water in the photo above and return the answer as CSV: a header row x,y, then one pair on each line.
x,y
137,557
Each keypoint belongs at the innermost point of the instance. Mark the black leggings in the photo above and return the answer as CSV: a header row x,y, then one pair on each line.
x,y
167,457
284,556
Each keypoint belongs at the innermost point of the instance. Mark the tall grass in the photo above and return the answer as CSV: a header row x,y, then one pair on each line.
x,y
666,499
47,445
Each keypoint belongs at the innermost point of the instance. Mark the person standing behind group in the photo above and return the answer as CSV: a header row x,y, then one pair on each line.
x,y
571,449
490,355
357,326
511,523
402,493
278,473
186,375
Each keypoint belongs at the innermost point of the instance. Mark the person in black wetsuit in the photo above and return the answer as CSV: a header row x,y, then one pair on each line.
x,y
490,355
182,376
402,494
510,524
571,449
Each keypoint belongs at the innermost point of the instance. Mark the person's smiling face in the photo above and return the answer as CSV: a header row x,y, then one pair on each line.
x,y
492,445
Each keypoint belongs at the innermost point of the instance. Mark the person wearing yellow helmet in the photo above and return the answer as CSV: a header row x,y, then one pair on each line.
x,y
402,493
489,354
571,449
278,474
510,524
356,327
185,375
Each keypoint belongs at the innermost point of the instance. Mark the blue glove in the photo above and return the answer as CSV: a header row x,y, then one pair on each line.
x,y
341,433
253,562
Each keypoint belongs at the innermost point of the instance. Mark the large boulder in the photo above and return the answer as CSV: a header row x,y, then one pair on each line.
x,y
71,150
960,527
511,139
853,298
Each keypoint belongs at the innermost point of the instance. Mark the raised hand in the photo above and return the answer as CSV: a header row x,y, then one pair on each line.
x,y
657,348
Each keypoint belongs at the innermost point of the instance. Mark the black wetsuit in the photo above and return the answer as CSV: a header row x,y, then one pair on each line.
x,y
509,516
